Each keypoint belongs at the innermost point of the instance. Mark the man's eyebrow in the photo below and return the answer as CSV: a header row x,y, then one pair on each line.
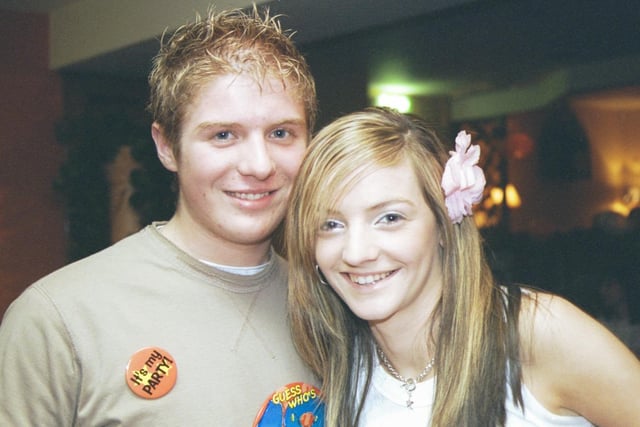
x,y
207,125
295,122
290,122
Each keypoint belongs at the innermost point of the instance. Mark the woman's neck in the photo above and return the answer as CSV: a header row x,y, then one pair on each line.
x,y
409,348
405,337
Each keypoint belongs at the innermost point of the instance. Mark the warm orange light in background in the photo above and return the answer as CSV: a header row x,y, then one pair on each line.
x,y
621,171
628,201
504,199
624,177
631,197
497,195
513,198
481,219
619,208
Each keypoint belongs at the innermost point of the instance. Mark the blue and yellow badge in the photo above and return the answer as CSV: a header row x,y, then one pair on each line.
x,y
294,405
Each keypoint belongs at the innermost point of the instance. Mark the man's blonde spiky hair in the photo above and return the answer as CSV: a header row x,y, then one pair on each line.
x,y
227,42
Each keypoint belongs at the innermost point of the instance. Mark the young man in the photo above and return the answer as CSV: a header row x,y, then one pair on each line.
x,y
183,323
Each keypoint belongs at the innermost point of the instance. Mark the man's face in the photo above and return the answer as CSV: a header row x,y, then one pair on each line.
x,y
240,150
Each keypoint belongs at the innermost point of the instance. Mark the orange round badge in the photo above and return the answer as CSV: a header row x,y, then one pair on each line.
x,y
151,372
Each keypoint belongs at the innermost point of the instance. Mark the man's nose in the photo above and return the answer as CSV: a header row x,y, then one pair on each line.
x,y
256,159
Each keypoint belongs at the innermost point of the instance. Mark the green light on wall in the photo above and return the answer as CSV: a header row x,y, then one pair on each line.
x,y
402,103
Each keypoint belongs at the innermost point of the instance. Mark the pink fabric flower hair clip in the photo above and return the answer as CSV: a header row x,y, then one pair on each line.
x,y
463,180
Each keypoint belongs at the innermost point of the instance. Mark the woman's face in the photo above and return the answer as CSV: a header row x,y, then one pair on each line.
x,y
378,248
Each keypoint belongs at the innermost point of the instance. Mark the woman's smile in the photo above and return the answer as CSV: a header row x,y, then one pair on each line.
x,y
370,278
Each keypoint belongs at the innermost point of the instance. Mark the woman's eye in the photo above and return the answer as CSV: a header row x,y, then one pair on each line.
x,y
330,225
390,218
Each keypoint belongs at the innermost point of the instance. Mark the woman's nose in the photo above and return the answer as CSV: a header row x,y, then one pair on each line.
x,y
359,246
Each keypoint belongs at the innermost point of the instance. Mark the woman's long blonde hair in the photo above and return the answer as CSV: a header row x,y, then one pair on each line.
x,y
474,344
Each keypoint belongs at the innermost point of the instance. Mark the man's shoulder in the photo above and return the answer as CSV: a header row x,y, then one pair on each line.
x,y
127,244
111,261
107,274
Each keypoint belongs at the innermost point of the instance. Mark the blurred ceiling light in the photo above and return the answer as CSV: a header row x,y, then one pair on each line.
x,y
402,103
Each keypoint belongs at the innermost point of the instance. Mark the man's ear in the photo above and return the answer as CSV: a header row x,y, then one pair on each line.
x,y
163,148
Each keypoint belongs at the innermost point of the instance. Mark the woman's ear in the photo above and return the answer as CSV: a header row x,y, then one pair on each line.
x,y
163,148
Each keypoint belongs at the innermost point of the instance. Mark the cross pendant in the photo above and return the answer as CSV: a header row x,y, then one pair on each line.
x,y
409,385
409,402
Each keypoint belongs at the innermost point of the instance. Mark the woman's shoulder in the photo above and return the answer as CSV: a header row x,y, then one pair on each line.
x,y
557,334
571,362
550,323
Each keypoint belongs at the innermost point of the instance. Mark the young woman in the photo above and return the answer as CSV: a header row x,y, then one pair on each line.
x,y
394,307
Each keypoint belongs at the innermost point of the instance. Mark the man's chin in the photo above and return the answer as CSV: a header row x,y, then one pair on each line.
x,y
255,235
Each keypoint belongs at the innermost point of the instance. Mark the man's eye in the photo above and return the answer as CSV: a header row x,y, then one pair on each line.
x,y
280,133
224,135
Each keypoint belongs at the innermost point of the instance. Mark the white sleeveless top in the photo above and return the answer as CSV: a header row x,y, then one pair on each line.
x,y
386,406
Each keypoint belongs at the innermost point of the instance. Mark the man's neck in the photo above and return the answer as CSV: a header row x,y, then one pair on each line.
x,y
206,247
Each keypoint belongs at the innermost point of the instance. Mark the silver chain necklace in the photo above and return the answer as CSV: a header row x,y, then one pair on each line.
x,y
409,384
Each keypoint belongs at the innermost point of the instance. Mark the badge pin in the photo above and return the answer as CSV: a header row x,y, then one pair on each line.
x,y
151,372
295,404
